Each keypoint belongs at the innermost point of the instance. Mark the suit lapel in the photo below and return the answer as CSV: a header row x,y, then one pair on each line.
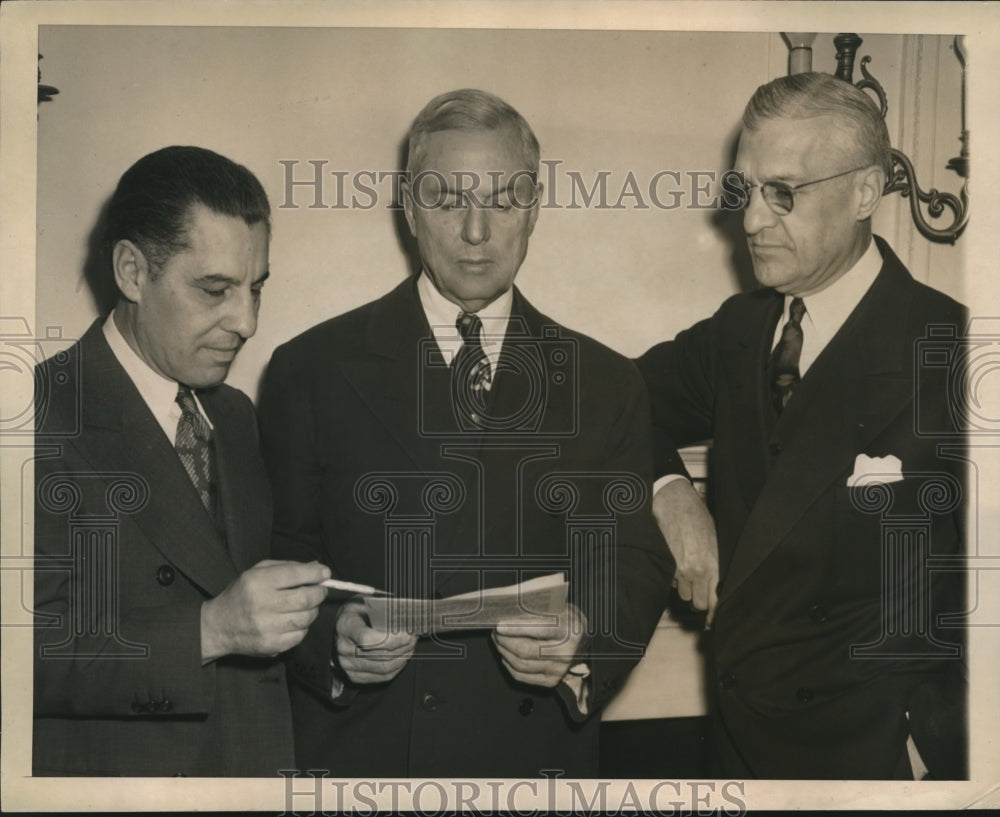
x,y
129,440
525,387
398,349
857,385
244,507
745,361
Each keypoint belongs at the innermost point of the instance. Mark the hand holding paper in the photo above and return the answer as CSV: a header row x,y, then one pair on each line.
x,y
540,654
544,597
368,655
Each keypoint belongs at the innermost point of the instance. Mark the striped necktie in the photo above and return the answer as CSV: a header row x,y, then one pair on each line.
x,y
195,449
470,370
784,360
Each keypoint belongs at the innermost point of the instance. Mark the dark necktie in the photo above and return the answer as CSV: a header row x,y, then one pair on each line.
x,y
194,447
470,370
784,361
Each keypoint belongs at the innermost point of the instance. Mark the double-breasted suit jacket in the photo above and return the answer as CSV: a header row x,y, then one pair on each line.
x,y
832,618
377,475
125,555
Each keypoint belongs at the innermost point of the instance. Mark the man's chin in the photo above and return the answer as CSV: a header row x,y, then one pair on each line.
x,y
768,275
207,378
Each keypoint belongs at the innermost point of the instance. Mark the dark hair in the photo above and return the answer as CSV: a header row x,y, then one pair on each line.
x,y
812,94
153,200
469,109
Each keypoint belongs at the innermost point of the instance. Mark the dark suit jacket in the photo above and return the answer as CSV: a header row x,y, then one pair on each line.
x,y
358,429
125,556
803,557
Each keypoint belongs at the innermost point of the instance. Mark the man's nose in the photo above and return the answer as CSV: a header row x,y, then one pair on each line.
x,y
476,225
757,214
242,315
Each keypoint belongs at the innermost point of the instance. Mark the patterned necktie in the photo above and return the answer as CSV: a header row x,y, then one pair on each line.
x,y
784,361
194,447
470,370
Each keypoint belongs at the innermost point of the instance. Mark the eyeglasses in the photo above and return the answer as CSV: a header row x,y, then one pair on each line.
x,y
780,197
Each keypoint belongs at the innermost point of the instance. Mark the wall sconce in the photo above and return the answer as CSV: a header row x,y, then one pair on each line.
x,y
904,176
800,53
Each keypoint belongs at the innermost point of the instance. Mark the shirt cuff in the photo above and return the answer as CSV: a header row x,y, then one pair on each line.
x,y
664,480
577,678
336,684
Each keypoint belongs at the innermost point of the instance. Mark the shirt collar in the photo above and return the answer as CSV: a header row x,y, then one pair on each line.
x,y
159,393
828,309
441,315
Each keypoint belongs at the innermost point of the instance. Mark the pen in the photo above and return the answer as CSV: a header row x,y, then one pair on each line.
x,y
351,587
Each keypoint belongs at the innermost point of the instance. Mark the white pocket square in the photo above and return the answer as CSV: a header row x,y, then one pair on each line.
x,y
868,470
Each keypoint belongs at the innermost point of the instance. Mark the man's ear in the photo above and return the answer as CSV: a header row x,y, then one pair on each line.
x,y
131,269
871,186
408,205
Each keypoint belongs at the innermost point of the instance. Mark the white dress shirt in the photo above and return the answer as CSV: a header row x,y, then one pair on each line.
x,y
442,315
828,309
157,391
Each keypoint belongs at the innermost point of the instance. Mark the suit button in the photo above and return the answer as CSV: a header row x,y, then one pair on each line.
x,y
526,707
165,575
429,702
818,613
166,705
804,695
775,449
727,680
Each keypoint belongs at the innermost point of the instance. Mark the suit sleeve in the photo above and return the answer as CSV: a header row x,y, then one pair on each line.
x,y
288,443
680,376
641,565
94,656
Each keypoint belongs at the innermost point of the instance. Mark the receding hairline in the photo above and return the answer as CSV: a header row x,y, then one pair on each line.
x,y
415,158
471,110
815,95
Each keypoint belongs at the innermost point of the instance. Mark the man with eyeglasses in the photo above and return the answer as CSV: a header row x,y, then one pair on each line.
x,y
829,642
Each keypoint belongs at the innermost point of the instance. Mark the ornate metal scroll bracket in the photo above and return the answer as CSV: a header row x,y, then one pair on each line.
x,y
904,182
904,176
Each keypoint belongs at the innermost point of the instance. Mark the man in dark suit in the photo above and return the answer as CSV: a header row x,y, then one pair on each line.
x,y
447,438
158,616
832,491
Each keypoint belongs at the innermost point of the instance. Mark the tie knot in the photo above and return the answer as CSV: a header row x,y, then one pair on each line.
x,y
189,409
796,310
185,399
468,326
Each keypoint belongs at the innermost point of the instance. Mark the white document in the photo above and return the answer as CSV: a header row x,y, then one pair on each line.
x,y
543,598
